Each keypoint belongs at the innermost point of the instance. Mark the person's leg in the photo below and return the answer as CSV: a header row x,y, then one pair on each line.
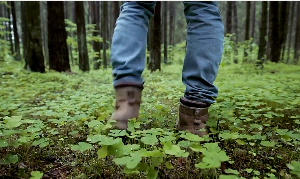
x,y
205,34
128,52
129,42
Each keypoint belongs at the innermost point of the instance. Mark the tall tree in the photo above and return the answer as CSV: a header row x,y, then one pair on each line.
x,y
116,10
253,23
23,25
263,33
104,29
81,37
58,54
165,11
235,30
44,25
297,36
172,11
291,20
235,26
34,52
273,32
155,62
70,16
150,42
16,35
284,20
247,28
9,29
96,45
228,18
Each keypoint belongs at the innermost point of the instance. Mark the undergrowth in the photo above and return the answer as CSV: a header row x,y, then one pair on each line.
x,y
54,125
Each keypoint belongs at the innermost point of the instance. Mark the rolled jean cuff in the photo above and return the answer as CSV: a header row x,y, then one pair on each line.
x,y
128,81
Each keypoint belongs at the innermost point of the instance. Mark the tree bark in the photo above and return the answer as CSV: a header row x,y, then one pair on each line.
x,y
150,42
81,37
23,16
297,36
155,62
9,29
96,45
116,11
247,30
165,11
235,26
291,20
16,35
57,35
263,33
34,52
172,26
44,25
104,29
284,23
274,38
235,31
228,18
253,23
70,7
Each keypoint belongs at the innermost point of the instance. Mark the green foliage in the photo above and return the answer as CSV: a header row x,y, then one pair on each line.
x,y
254,125
4,44
72,40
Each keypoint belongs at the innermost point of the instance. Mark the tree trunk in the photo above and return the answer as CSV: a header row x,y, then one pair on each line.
x,y
253,23
16,35
235,30
165,11
70,16
58,54
23,16
96,45
172,24
81,37
228,18
235,26
297,36
247,30
291,20
150,43
284,22
44,25
263,33
2,15
34,52
9,29
273,32
116,11
104,29
155,62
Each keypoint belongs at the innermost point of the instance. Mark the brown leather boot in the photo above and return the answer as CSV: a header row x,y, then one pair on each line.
x,y
192,118
127,105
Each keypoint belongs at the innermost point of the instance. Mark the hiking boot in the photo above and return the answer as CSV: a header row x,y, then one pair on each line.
x,y
192,117
127,105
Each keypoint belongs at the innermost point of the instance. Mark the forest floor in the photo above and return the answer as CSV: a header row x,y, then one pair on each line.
x,y
54,125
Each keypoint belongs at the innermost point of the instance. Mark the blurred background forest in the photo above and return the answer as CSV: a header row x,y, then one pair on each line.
x,y
54,125
43,34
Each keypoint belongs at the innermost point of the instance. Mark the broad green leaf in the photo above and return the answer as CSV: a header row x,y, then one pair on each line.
x,y
12,122
36,175
10,159
149,139
82,146
3,143
102,152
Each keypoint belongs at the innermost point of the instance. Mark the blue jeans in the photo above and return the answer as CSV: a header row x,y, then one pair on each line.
x,y
205,34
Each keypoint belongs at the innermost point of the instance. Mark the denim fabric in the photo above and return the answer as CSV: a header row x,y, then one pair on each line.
x,y
205,34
